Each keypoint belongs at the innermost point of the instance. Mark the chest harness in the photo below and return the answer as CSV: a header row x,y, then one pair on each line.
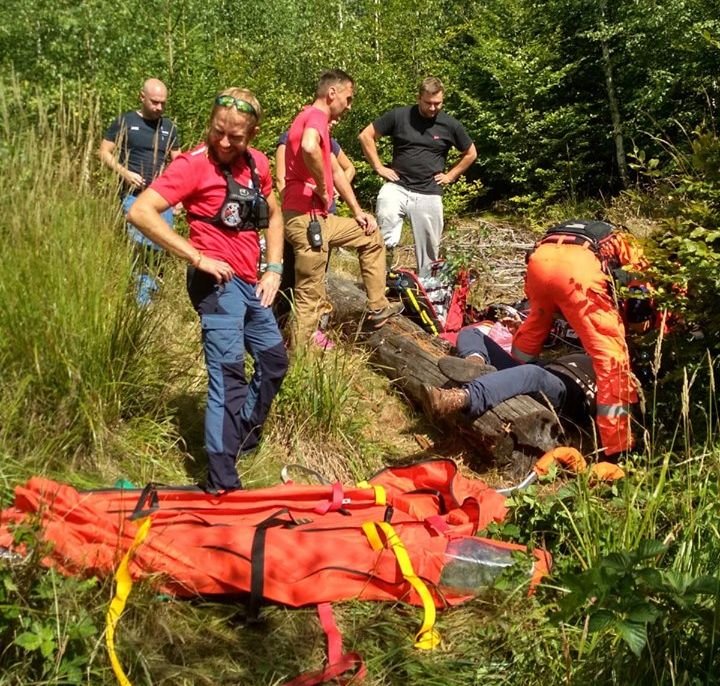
x,y
244,208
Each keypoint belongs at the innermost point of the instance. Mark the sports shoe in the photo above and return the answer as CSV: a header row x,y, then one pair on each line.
x,y
440,402
321,340
377,318
464,369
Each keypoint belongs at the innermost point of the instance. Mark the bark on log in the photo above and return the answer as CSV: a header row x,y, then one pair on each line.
x,y
409,355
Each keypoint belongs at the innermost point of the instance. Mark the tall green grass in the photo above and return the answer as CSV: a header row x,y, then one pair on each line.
x,y
77,354
322,415
635,595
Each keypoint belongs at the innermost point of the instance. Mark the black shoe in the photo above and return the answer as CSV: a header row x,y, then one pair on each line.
x,y
464,369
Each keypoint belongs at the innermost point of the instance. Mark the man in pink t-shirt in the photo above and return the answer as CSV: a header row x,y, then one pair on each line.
x,y
311,177
226,189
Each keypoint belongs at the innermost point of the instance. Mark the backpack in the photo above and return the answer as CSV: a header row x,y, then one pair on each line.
x,y
593,232
596,235
438,302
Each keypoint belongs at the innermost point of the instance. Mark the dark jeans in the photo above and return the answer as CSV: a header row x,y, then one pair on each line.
x,y
511,379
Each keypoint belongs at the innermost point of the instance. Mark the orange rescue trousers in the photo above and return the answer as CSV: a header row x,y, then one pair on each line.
x,y
569,278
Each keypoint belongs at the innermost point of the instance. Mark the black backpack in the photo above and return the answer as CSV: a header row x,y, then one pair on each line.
x,y
593,234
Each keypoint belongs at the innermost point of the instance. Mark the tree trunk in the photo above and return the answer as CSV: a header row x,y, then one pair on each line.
x,y
409,355
613,101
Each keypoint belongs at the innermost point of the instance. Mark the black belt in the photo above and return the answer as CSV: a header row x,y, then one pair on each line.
x,y
567,239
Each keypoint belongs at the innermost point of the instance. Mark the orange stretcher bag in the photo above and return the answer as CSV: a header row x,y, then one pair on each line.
x,y
407,534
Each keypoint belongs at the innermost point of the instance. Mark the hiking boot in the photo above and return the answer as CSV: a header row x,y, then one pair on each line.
x,y
377,318
321,340
464,369
440,402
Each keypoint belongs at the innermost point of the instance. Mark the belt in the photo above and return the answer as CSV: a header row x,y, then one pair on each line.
x,y
567,239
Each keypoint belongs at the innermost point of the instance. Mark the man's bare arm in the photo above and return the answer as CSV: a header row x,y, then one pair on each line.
x,y
367,138
312,156
106,153
468,157
146,215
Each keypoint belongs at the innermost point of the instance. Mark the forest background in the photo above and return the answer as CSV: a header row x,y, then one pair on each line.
x,y
604,107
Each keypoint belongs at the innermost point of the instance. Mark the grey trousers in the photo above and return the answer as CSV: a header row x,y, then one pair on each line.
x,y
425,213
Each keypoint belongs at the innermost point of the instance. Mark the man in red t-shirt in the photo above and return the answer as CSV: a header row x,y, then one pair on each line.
x,y
312,174
226,188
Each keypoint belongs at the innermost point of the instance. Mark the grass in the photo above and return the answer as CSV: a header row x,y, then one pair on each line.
x,y
95,389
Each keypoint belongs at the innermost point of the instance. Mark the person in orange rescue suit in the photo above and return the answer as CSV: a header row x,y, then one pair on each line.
x,y
573,269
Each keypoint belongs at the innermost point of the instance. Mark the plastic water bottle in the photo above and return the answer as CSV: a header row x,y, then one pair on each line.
x,y
430,283
473,565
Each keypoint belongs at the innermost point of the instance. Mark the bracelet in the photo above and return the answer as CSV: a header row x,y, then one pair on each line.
x,y
196,262
274,267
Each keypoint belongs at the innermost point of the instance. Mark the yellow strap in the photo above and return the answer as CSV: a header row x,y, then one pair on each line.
x,y
423,314
427,637
123,582
380,494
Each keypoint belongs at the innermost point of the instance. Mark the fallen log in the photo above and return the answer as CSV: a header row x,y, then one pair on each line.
x,y
408,355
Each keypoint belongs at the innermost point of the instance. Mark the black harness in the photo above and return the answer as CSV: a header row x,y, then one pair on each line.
x,y
577,369
579,232
590,234
244,208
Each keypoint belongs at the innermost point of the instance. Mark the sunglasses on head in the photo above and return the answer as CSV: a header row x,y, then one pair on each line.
x,y
239,105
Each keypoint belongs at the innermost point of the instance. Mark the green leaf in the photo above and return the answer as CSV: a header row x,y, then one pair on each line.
x,y
602,619
616,561
47,645
82,629
650,548
706,585
28,640
634,634
678,581
9,584
643,613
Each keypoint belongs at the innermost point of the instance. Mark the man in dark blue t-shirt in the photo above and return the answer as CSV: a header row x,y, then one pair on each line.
x,y
422,137
137,145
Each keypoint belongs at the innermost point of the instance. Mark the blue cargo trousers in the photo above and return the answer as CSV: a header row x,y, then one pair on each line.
x,y
234,321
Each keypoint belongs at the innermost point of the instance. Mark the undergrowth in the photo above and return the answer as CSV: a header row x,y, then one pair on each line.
x,y
95,389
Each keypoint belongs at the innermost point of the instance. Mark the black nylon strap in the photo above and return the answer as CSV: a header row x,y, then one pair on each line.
x,y
149,494
233,187
257,560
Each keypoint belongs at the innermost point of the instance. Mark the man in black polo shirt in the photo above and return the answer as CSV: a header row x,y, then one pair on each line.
x,y
137,146
422,137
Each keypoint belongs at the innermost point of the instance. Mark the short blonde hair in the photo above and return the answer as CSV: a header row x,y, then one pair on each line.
x,y
431,85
